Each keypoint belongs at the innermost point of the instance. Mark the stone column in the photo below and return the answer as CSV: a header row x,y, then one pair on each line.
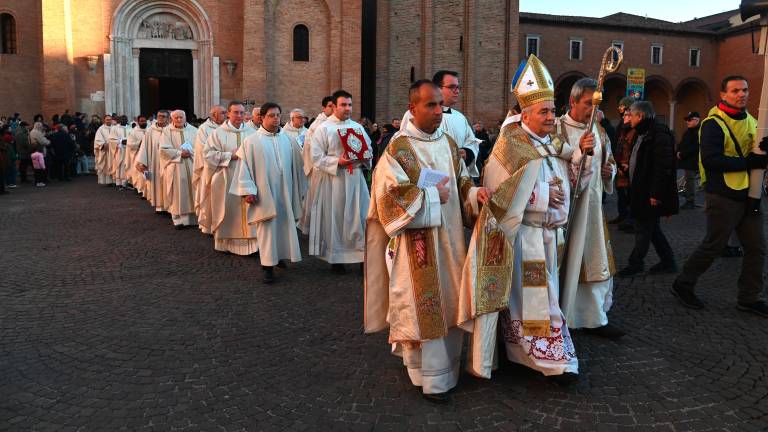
x,y
671,120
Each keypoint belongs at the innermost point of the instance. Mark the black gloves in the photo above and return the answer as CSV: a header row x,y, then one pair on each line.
x,y
764,144
757,161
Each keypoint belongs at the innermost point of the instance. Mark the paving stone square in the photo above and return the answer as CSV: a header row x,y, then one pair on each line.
x,y
111,320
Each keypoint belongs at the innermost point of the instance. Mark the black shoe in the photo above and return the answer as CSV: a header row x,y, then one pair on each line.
x,y
269,274
179,227
629,271
282,264
564,379
689,205
438,398
733,252
338,269
663,268
617,220
686,297
608,331
759,307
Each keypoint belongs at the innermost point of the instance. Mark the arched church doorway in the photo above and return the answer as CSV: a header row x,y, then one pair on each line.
x,y
166,80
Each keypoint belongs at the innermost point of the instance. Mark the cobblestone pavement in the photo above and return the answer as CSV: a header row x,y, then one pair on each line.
x,y
112,320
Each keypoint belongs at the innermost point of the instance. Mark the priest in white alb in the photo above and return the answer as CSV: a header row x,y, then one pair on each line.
x,y
177,156
511,270
217,116
268,180
255,121
101,152
148,161
296,132
422,198
131,151
587,293
231,231
306,150
118,139
340,149
454,124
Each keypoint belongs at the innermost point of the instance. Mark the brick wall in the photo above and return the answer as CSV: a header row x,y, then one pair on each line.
x,y
736,58
20,72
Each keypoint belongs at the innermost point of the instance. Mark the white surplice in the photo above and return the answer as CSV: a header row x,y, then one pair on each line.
x,y
200,179
101,154
588,291
118,137
456,125
306,151
268,172
339,198
149,156
177,173
418,237
229,212
131,150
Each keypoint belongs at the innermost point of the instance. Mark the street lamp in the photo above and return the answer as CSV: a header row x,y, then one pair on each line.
x,y
750,8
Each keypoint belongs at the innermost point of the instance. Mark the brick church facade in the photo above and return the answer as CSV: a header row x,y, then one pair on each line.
x,y
135,56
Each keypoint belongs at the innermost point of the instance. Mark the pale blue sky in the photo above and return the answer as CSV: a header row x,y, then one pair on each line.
x,y
668,10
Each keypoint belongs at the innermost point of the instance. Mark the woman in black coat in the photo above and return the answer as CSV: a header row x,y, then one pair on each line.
x,y
653,189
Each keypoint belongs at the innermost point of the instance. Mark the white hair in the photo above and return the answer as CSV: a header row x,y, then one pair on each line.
x,y
178,112
298,110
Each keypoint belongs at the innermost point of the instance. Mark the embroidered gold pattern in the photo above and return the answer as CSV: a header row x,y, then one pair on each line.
x,y
534,273
426,286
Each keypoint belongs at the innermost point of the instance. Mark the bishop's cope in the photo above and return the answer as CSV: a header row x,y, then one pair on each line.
x,y
415,245
511,271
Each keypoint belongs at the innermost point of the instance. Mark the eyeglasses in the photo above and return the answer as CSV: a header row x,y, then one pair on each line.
x,y
273,115
452,88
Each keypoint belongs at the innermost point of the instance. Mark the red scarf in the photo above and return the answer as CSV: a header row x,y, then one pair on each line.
x,y
729,109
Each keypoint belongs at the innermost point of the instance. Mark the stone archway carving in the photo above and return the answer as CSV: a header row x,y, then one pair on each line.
x,y
177,24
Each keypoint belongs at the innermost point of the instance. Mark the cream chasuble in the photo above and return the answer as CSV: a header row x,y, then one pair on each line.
x,y
339,198
177,173
512,260
457,127
118,136
414,255
132,149
229,213
297,138
588,291
149,156
101,154
202,188
306,152
268,172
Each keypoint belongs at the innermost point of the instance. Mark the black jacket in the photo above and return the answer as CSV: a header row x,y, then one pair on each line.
x,y
716,163
654,171
689,149
62,145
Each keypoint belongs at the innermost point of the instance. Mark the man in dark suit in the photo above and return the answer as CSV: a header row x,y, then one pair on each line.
x,y
653,189
63,149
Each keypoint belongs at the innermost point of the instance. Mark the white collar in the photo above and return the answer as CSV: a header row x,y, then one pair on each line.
x,y
538,141
413,131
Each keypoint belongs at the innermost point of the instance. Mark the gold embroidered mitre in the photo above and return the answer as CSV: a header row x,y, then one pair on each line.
x,y
533,83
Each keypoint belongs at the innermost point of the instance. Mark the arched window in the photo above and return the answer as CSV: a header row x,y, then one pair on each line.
x,y
7,34
300,43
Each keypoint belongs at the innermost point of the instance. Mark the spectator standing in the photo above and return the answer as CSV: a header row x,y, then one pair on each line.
x,y
10,167
38,163
688,158
24,150
653,189
63,150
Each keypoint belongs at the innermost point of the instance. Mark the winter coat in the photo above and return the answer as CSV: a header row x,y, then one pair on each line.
x,y
653,174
